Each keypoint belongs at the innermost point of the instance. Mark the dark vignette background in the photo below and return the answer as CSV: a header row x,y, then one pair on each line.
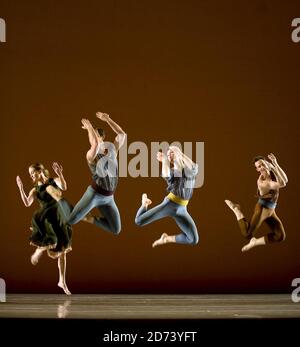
x,y
226,74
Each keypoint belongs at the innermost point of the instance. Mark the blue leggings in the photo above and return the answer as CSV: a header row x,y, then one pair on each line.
x,y
110,221
178,212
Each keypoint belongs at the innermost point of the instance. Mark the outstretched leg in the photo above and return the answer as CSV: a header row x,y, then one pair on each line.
x,y
62,264
144,217
247,229
74,215
236,209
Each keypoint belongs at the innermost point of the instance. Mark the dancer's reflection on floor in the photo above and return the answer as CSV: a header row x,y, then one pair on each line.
x,y
62,310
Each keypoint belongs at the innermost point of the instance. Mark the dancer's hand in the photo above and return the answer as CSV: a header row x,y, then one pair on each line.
x,y
176,152
160,156
268,166
175,149
19,182
103,116
273,159
86,124
58,169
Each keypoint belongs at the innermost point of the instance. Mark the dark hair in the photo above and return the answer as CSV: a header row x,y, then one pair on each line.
x,y
257,158
101,132
260,157
40,168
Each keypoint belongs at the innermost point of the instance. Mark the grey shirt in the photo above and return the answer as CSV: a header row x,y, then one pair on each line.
x,y
105,169
181,183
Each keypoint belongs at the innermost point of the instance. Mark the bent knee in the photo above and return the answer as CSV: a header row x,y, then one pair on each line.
x,y
73,220
138,221
281,237
116,229
194,241
276,238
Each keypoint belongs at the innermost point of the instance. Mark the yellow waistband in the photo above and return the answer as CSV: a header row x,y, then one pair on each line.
x,y
177,199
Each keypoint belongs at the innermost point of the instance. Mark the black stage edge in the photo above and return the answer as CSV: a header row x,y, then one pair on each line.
x,y
87,332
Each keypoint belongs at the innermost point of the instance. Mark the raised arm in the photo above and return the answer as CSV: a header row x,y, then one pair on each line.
x,y
92,152
121,135
59,180
188,161
279,181
28,200
184,160
165,164
278,169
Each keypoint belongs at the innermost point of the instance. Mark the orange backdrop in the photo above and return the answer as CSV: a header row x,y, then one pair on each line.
x,y
226,74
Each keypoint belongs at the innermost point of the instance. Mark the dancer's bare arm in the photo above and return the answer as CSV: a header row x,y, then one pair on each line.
x,y
278,169
121,135
59,180
187,162
27,200
165,164
92,152
279,181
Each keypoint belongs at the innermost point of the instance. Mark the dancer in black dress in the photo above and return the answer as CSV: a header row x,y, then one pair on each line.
x,y
50,232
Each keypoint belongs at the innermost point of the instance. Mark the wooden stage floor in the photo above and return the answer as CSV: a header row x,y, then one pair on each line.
x,y
84,306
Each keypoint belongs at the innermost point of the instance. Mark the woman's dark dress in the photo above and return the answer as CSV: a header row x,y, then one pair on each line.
x,y
49,228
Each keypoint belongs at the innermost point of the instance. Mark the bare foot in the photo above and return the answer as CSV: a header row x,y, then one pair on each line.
x,y
232,206
89,218
161,241
64,287
145,201
249,245
36,256
54,192
235,208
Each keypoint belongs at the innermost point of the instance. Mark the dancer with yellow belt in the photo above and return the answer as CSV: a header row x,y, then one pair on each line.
x,y
180,173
